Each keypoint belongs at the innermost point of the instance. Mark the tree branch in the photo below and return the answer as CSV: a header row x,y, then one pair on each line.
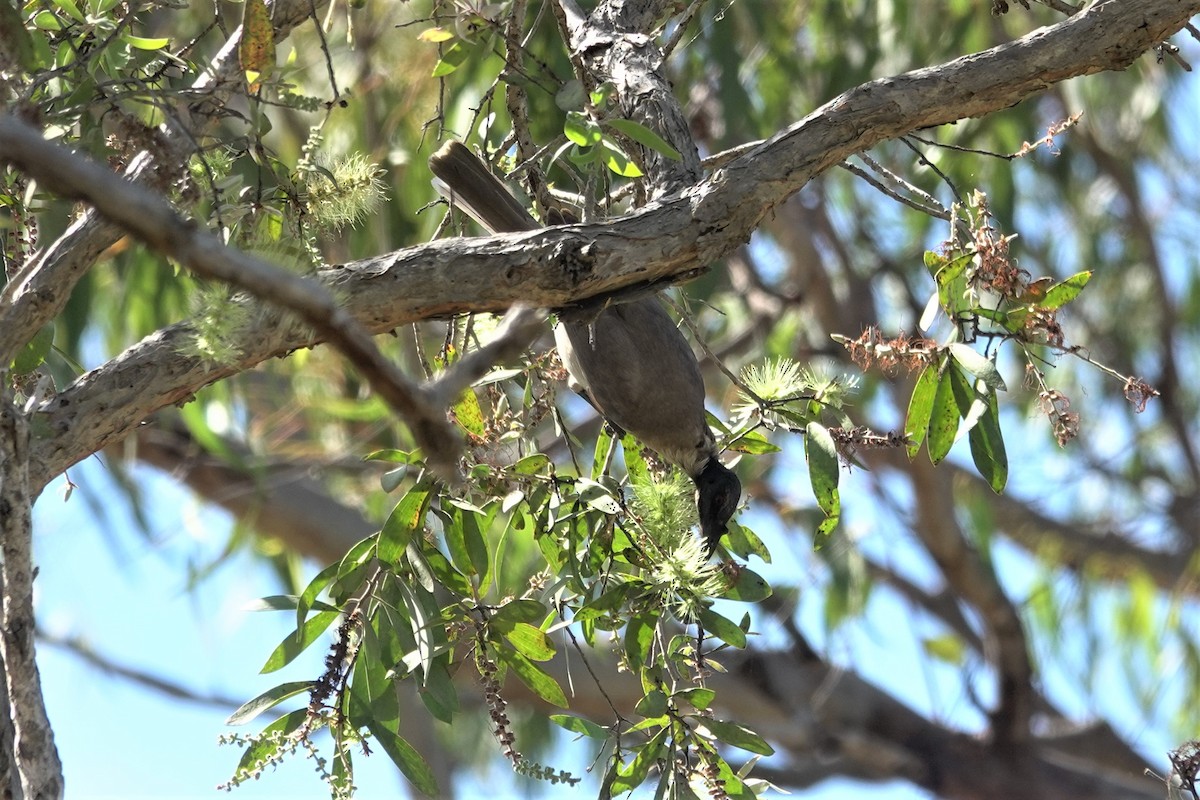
x,y
34,758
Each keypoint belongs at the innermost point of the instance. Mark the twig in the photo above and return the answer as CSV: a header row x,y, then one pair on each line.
x,y
520,326
82,650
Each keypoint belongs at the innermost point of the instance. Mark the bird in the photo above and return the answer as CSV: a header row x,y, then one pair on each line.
x,y
629,360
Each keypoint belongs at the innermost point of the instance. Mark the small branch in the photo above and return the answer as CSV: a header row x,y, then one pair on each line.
x,y
517,330
79,648
148,217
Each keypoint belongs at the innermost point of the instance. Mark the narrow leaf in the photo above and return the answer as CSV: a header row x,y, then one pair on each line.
x,y
404,756
724,629
736,735
406,518
644,136
920,408
531,642
293,645
268,699
987,446
454,57
256,50
1062,293
534,677
943,423
584,727
639,634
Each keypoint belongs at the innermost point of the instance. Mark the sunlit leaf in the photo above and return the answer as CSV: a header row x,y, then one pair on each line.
x,y
268,699
644,136
293,644
534,677
1062,293
584,727
735,735
724,629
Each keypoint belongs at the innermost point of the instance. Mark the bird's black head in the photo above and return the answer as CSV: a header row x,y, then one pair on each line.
x,y
717,493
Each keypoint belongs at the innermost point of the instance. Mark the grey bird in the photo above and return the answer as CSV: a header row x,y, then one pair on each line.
x,y
629,361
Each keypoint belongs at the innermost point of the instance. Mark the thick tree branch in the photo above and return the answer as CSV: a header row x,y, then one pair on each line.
x,y
667,240
34,758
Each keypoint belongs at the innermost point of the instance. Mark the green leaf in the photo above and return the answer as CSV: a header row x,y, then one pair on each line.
x,y
34,353
581,130
435,35
617,161
698,697
920,408
987,446
736,735
635,464
639,635
268,699
584,727
653,704
724,629
750,587
406,518
609,601
743,542
531,642
943,423
515,611
452,58
598,496
823,468
632,776
144,43
438,692
1062,293
949,274
72,10
531,464
372,692
404,756
468,550
978,365
468,414
298,641
308,597
753,443
948,648
643,136
534,677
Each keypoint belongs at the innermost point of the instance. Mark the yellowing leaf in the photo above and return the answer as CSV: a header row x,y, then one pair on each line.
x,y
438,34
256,51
